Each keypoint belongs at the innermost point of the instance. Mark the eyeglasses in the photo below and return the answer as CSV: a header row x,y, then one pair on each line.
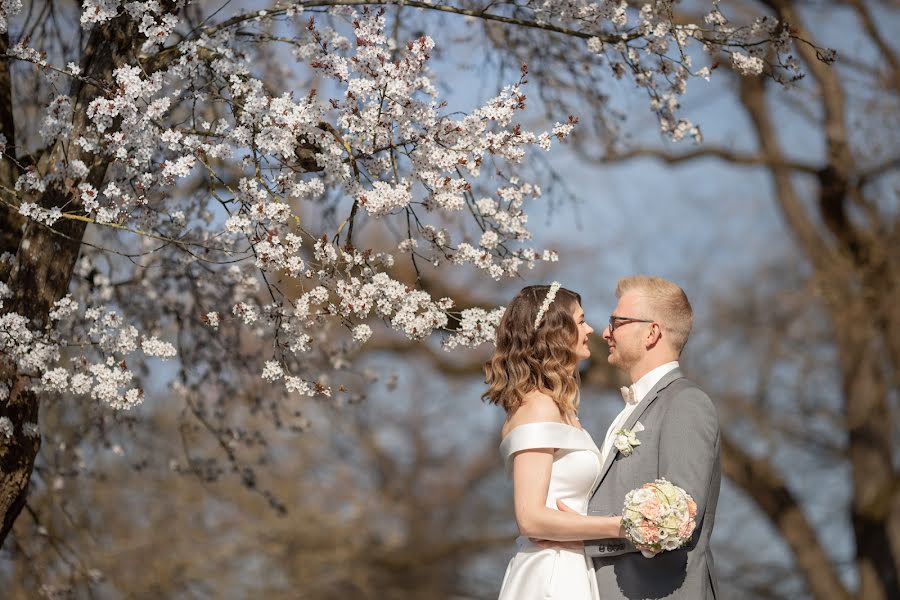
x,y
615,321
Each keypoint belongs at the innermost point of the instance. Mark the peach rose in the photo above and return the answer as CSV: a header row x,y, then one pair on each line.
x,y
686,529
651,509
649,534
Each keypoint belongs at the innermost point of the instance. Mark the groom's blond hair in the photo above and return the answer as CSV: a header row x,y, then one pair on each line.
x,y
667,302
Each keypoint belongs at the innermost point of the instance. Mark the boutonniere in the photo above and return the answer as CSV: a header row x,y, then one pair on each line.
x,y
626,439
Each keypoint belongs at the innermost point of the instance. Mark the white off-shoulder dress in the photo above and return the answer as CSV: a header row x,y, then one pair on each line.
x,y
536,573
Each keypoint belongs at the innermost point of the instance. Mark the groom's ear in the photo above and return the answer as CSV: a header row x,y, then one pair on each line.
x,y
654,335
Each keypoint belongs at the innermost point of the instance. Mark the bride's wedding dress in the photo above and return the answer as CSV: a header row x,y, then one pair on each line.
x,y
536,573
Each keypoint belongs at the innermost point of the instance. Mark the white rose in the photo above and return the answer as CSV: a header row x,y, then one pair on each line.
x,y
670,543
621,443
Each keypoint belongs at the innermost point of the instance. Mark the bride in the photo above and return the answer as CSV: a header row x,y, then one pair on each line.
x,y
552,459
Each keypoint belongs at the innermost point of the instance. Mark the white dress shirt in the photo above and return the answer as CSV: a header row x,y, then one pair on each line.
x,y
640,388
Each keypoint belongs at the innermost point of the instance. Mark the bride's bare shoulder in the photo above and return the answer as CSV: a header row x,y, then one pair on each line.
x,y
536,407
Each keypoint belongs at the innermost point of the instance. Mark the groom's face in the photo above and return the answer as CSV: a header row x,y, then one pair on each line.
x,y
626,342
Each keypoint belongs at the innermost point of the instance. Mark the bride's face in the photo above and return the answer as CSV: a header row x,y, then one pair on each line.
x,y
582,349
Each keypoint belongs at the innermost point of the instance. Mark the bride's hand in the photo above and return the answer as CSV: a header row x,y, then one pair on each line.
x,y
552,545
577,546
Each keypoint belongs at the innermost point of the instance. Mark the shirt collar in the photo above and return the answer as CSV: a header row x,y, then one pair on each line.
x,y
643,385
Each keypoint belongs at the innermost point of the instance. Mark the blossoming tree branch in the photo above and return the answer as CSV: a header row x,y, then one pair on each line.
x,y
167,195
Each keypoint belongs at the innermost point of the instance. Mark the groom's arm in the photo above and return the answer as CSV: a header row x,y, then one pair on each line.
x,y
687,445
608,548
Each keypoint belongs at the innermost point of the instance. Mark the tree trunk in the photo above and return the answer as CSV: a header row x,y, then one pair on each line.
x,y
46,257
11,222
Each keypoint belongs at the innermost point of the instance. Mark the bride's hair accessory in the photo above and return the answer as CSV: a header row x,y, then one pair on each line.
x,y
551,294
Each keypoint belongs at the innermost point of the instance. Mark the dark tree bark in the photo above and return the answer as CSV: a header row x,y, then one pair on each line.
x,y
45,256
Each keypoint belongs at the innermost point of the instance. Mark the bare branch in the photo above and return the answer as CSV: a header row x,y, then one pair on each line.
x,y
886,51
725,154
480,14
752,96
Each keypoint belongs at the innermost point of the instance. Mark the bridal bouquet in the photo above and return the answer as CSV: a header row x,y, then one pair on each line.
x,y
658,516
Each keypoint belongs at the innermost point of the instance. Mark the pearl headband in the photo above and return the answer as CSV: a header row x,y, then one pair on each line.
x,y
551,294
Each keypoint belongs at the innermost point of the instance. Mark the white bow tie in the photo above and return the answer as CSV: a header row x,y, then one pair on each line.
x,y
628,394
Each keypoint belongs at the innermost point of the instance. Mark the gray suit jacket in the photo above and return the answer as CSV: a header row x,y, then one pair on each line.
x,y
680,442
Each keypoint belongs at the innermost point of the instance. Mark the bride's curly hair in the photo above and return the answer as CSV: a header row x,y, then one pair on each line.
x,y
544,358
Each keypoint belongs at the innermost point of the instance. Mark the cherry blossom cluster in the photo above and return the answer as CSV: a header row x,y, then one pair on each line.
x,y
651,46
476,326
8,9
153,22
108,338
216,169
384,144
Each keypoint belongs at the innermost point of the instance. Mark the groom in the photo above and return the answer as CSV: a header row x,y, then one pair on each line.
x,y
679,441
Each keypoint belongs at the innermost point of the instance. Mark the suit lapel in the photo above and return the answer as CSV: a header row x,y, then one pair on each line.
x,y
635,415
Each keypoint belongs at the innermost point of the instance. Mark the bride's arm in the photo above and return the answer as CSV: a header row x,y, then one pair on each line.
x,y
531,482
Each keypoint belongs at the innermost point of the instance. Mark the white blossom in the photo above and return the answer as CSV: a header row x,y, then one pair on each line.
x,y
747,65
489,240
23,52
8,8
272,371
56,380
81,383
6,428
385,198
58,121
476,326
158,348
41,215
98,11
63,308
245,312
108,378
408,245
296,384
362,332
132,398
180,167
